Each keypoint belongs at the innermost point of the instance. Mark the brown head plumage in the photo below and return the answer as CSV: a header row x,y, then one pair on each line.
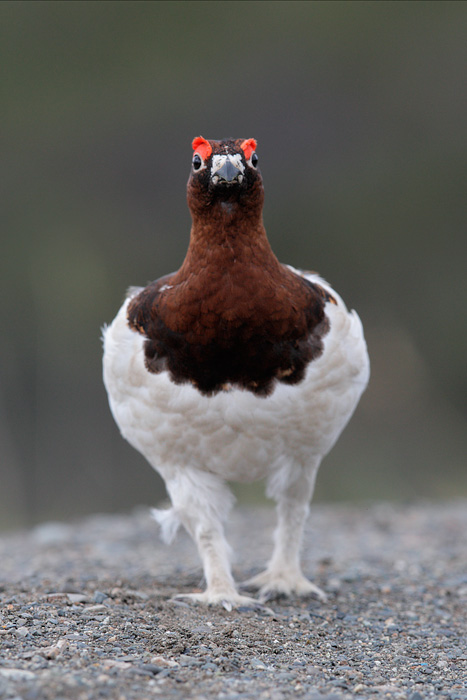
x,y
224,178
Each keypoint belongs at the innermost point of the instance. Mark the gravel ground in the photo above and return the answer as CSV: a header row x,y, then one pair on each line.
x,y
86,611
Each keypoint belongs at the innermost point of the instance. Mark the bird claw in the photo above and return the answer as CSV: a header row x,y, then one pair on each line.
x,y
272,585
228,601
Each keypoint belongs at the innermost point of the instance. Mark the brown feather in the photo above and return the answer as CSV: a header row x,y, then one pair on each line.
x,y
232,314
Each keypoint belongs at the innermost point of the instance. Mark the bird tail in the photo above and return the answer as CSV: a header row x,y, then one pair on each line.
x,y
168,521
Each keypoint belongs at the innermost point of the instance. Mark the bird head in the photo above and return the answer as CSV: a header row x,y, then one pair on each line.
x,y
224,173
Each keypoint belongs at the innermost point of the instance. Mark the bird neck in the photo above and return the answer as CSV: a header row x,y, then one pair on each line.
x,y
229,235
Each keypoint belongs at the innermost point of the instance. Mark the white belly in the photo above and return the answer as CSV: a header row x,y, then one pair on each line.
x,y
235,434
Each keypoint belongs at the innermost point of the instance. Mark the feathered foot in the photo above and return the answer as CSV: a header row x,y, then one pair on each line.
x,y
271,584
283,574
227,600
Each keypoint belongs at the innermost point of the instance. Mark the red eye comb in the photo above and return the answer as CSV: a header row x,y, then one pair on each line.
x,y
248,147
202,147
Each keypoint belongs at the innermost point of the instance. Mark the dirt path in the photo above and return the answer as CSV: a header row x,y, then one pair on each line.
x,y
85,611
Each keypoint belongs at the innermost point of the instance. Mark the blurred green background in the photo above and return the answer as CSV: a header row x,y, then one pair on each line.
x,y
359,109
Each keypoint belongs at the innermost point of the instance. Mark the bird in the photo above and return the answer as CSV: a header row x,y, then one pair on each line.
x,y
236,367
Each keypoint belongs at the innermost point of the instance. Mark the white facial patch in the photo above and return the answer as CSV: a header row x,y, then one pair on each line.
x,y
219,160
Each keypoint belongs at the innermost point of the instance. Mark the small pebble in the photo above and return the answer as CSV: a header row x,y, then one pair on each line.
x,y
99,597
77,598
390,632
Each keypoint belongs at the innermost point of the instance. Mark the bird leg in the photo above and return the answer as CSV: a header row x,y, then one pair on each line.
x,y
214,552
283,574
199,505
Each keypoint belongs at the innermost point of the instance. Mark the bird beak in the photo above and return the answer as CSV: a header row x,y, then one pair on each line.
x,y
226,169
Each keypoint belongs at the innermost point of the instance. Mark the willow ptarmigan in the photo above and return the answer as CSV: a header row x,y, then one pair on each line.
x,y
234,368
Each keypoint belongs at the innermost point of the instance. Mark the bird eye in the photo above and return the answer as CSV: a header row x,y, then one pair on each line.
x,y
254,160
197,162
